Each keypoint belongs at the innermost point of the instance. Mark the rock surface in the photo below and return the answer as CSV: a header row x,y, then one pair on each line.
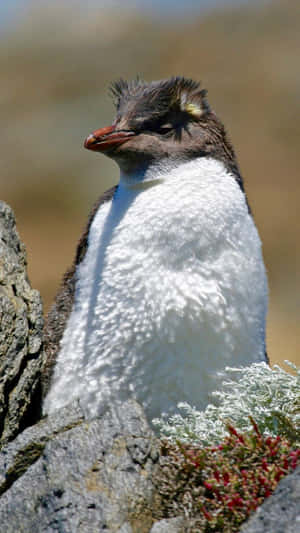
x,y
21,325
67,474
170,525
280,513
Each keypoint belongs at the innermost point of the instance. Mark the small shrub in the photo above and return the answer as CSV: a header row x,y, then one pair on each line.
x,y
217,487
219,464
270,395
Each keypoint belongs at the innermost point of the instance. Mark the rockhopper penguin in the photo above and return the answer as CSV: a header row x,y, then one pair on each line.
x,y
168,286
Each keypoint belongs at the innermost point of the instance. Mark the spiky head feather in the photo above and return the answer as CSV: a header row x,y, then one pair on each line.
x,y
159,97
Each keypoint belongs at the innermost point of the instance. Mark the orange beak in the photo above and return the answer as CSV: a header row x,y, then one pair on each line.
x,y
106,138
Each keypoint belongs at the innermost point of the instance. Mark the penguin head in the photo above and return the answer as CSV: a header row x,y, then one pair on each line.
x,y
158,121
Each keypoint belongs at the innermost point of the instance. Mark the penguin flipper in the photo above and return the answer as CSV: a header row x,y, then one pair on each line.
x,y
60,310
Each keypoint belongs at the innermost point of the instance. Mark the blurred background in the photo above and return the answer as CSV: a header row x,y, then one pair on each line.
x,y
57,60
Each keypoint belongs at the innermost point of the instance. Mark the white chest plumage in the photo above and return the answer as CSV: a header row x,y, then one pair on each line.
x,y
171,290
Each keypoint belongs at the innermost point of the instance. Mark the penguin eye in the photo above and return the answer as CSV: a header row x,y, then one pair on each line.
x,y
160,126
163,129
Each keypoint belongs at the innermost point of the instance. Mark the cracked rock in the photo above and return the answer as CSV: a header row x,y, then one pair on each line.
x,y
280,513
21,325
69,474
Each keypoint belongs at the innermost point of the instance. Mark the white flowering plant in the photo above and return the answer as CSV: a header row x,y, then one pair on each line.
x,y
269,396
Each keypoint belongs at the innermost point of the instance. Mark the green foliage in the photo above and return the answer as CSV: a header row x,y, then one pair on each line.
x,y
270,396
218,487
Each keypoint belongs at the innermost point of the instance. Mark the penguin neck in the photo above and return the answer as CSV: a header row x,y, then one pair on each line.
x,y
151,175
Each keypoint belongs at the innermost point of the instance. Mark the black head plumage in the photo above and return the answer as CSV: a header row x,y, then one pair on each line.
x,y
159,97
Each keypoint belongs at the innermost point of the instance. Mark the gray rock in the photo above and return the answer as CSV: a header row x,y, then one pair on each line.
x,y
170,525
21,324
280,513
67,474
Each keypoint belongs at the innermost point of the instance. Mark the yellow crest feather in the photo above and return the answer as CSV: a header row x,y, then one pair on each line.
x,y
193,109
